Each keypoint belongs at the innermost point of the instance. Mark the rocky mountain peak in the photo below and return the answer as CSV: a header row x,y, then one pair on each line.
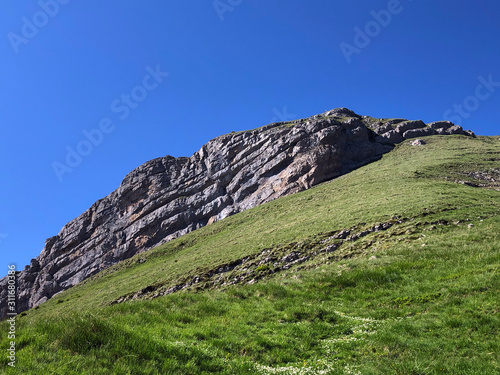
x,y
168,197
341,112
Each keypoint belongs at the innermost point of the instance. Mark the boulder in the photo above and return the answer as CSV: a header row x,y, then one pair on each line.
x,y
440,125
414,133
409,125
455,129
392,136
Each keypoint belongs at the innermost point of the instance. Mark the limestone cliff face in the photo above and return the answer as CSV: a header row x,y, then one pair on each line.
x,y
168,197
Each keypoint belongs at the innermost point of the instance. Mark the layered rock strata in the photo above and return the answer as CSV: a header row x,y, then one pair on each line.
x,y
168,197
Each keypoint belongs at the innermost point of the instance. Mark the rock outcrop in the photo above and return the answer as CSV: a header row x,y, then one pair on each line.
x,y
168,197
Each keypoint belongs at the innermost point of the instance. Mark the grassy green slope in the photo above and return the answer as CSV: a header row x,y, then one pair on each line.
x,y
419,297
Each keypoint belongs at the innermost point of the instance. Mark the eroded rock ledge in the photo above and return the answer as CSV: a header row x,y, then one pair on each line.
x,y
168,197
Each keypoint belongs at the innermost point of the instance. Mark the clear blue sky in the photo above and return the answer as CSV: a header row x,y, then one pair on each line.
x,y
70,66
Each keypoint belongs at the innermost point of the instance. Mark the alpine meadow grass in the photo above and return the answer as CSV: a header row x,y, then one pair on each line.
x,y
411,289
